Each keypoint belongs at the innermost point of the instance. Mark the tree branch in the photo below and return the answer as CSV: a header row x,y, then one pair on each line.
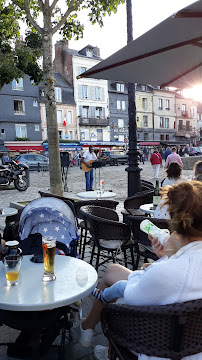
x,y
30,18
70,9
53,5
41,5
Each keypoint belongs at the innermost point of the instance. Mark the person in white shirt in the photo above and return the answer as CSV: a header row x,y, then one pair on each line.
x,y
175,278
89,156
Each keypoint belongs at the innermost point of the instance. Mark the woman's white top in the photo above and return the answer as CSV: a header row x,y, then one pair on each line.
x,y
170,280
161,212
168,181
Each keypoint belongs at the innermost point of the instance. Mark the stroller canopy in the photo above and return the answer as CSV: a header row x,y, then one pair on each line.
x,y
49,216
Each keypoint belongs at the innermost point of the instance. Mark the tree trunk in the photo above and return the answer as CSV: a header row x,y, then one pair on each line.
x,y
56,186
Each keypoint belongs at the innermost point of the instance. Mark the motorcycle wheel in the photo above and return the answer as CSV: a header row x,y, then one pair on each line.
x,y
21,185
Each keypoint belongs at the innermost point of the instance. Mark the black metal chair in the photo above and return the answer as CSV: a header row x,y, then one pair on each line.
x,y
108,234
169,331
141,242
82,225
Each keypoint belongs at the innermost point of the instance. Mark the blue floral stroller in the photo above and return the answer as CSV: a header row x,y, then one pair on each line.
x,y
51,216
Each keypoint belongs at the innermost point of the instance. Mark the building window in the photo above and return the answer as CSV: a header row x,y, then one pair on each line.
x,y
199,117
188,126
137,118
58,94
161,137
145,121
35,103
59,116
120,123
167,123
42,93
120,87
167,104
144,103
184,108
161,122
17,84
82,69
167,137
85,111
89,52
180,125
97,93
69,117
121,138
19,107
60,134
145,136
138,136
98,112
21,131
37,127
84,92
123,104
71,137
160,104
118,105
143,88
2,131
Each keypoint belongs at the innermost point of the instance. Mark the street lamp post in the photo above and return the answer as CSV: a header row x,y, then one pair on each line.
x,y
134,182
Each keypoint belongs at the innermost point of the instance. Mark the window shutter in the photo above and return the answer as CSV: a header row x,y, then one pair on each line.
x,y
92,111
78,70
80,110
103,113
102,94
79,92
92,92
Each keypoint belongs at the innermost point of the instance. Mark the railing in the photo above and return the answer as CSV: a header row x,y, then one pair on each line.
x,y
185,114
93,121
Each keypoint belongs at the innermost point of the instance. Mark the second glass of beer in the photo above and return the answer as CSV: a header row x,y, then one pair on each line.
x,y
49,245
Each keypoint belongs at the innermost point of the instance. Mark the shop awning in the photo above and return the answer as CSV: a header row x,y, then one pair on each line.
x,y
25,148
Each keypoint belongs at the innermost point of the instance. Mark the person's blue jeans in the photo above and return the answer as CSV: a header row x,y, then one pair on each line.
x,y
114,291
89,180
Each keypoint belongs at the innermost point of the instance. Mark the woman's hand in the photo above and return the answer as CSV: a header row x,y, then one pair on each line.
x,y
156,246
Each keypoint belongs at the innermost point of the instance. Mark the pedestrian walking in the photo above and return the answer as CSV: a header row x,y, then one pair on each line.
x,y
173,157
156,161
146,153
166,153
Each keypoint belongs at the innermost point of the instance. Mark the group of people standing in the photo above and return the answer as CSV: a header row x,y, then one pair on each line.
x,y
170,156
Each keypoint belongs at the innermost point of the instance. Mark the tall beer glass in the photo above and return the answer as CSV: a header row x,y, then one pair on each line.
x,y
49,245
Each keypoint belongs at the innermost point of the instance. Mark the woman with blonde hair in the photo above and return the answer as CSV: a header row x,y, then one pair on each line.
x,y
175,277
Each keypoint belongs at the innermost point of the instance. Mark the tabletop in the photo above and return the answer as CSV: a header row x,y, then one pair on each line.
x,y
96,194
8,211
147,208
75,279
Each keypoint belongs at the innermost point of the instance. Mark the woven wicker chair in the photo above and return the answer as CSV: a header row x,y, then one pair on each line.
x,y
171,331
111,204
107,232
141,242
132,204
148,184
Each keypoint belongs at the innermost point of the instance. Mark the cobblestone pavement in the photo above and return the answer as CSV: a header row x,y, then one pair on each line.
x,y
115,179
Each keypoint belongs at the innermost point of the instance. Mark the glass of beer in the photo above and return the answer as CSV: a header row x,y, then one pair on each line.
x,y
49,246
12,267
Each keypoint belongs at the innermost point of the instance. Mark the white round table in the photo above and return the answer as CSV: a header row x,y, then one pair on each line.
x,y
75,279
8,211
97,194
147,208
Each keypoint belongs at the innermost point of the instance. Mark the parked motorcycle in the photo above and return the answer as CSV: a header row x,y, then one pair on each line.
x,y
14,173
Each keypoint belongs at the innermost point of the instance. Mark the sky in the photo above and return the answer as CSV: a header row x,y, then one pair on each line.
x,y
112,36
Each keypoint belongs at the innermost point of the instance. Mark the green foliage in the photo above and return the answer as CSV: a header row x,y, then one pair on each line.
x,y
22,139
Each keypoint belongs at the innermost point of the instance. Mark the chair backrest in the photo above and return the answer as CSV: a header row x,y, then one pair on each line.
x,y
111,204
148,184
133,203
105,228
99,211
134,221
169,331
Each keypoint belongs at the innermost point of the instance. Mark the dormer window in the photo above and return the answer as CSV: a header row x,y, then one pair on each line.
x,y
89,52
58,94
17,84
120,87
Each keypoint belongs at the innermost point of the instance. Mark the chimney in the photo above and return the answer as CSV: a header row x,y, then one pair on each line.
x,y
63,61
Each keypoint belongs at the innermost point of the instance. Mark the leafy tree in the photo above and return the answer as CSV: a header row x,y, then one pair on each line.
x,y
17,57
64,21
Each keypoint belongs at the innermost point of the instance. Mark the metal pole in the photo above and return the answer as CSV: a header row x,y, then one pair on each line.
x,y
134,182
